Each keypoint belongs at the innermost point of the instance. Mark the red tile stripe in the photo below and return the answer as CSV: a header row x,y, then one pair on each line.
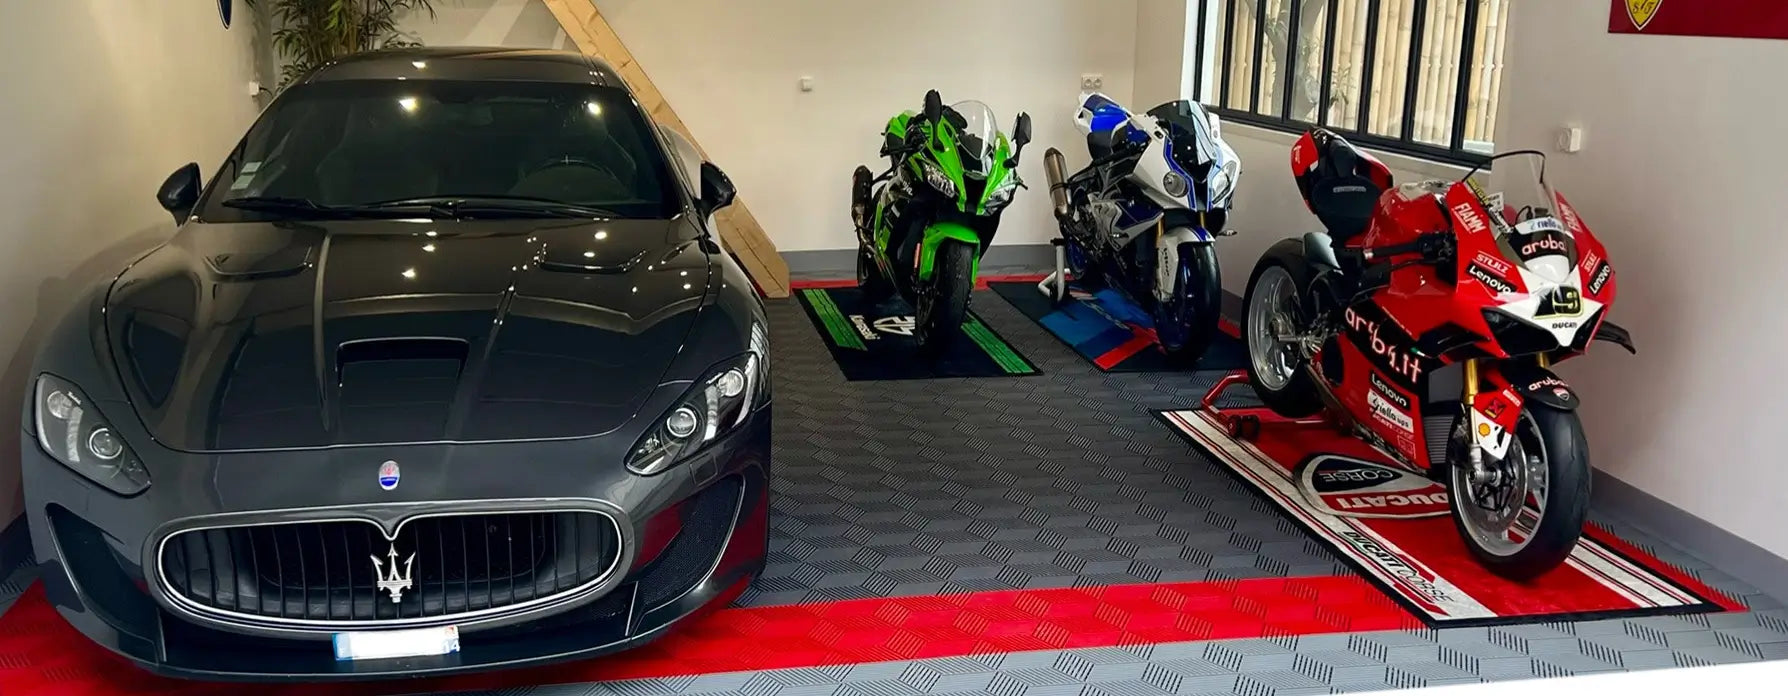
x,y
46,656
980,283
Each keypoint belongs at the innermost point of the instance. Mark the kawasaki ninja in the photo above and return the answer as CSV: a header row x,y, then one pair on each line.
x,y
921,234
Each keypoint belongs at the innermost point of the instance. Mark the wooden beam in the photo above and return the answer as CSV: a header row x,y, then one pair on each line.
x,y
740,232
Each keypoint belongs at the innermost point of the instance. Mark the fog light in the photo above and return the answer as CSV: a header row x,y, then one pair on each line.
x,y
681,423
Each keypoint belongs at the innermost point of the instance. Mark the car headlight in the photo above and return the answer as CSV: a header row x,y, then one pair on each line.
x,y
1000,197
71,430
1223,180
718,402
935,176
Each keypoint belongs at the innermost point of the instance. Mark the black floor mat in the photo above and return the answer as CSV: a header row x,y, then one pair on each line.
x,y
875,341
1111,333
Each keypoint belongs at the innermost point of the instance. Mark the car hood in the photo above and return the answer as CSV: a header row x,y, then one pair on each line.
x,y
290,335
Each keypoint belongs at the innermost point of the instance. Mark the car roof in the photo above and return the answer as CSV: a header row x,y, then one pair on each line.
x,y
471,63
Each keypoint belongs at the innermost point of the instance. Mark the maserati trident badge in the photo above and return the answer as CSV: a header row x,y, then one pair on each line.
x,y
394,582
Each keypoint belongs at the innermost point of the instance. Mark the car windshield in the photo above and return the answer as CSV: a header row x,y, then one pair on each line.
x,y
360,142
1524,212
977,133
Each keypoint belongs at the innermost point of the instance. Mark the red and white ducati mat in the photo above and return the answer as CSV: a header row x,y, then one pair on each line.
x,y
1395,528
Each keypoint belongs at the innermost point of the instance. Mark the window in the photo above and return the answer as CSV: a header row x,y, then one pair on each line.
x,y
1419,77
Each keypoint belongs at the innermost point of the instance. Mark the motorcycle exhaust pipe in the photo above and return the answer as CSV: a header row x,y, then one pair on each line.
x,y
1055,167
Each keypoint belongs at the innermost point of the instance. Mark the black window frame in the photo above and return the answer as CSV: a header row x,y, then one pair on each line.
x,y
1403,144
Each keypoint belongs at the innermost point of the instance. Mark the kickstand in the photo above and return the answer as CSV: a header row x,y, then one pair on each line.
x,y
1055,286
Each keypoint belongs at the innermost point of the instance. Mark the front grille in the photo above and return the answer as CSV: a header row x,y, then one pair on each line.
x,y
325,572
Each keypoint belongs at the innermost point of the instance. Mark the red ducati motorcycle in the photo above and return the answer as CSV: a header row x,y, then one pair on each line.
x,y
1414,278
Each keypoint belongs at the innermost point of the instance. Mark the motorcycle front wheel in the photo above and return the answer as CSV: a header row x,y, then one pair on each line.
x,y
1522,516
1186,324
944,304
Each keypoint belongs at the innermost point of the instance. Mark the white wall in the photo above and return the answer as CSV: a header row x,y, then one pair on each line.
x,y
1682,178
732,69
102,100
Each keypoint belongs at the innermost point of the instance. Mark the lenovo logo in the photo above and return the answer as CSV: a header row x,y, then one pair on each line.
x,y
1495,284
1600,279
1387,391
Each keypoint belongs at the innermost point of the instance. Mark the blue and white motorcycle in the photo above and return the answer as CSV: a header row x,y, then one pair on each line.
x,y
1142,216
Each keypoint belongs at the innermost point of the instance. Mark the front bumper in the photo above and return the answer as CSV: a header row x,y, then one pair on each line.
x,y
90,546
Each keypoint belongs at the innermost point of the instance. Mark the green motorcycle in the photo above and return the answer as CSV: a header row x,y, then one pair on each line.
x,y
921,234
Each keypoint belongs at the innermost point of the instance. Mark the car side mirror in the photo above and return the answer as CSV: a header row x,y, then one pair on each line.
x,y
1021,136
180,192
717,189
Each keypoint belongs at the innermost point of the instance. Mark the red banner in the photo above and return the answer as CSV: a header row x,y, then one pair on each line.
x,y
1745,19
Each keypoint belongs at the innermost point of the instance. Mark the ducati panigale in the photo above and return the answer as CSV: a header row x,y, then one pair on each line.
x,y
951,174
1141,217
1413,278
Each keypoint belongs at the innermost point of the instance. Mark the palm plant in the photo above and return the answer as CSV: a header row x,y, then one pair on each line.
x,y
310,33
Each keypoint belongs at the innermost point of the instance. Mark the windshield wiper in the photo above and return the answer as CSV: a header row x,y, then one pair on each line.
x,y
487,206
303,206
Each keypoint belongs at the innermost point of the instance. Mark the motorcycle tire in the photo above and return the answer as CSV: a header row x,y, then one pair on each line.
x,y
875,286
1293,395
1559,437
944,305
1187,324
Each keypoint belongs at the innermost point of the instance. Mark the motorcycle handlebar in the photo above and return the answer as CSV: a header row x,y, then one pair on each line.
x,y
1431,246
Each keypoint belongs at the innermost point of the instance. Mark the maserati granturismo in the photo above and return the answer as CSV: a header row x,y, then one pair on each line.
x,y
445,368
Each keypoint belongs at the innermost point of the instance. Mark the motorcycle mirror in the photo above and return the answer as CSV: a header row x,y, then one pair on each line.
x,y
934,106
1021,132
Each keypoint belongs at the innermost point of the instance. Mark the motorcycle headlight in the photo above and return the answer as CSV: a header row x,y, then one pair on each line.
x,y
1518,337
937,179
71,430
1000,197
1223,180
718,402
1174,185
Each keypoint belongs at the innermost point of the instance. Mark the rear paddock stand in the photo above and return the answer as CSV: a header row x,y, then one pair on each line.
x,y
1243,422
1055,285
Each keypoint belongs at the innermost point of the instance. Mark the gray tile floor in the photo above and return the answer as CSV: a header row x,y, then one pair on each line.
x,y
920,487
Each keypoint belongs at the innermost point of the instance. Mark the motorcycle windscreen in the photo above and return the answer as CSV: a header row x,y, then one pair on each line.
x,y
977,135
1524,214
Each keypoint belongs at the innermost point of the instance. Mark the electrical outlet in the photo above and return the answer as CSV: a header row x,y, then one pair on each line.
x,y
1570,138
1092,83
807,83
254,88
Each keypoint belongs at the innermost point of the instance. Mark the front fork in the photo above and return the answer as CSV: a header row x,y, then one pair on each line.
x,y
1493,408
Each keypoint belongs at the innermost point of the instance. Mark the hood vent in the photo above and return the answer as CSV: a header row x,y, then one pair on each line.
x,y
398,389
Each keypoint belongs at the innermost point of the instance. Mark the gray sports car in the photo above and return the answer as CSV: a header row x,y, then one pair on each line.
x,y
445,369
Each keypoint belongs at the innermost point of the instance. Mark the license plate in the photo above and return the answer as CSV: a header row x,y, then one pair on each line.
x,y
414,642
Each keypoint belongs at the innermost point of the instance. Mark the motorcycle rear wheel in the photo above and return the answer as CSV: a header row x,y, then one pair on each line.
x,y
1548,468
1275,368
944,305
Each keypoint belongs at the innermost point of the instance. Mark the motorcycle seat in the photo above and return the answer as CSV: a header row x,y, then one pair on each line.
x,y
1344,205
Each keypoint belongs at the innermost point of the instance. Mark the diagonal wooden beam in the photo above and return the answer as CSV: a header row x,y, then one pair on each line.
x,y
739,229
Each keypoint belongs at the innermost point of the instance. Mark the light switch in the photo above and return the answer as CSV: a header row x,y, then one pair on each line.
x,y
807,83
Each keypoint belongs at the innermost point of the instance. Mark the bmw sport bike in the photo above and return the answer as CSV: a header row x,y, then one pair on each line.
x,y
1414,278
1142,216
923,225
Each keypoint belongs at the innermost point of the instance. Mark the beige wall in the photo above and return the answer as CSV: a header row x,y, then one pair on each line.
x,y
1681,177
732,69
102,99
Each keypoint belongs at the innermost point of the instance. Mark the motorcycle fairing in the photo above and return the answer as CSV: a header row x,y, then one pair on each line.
x,y
1525,269
1494,411
935,235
